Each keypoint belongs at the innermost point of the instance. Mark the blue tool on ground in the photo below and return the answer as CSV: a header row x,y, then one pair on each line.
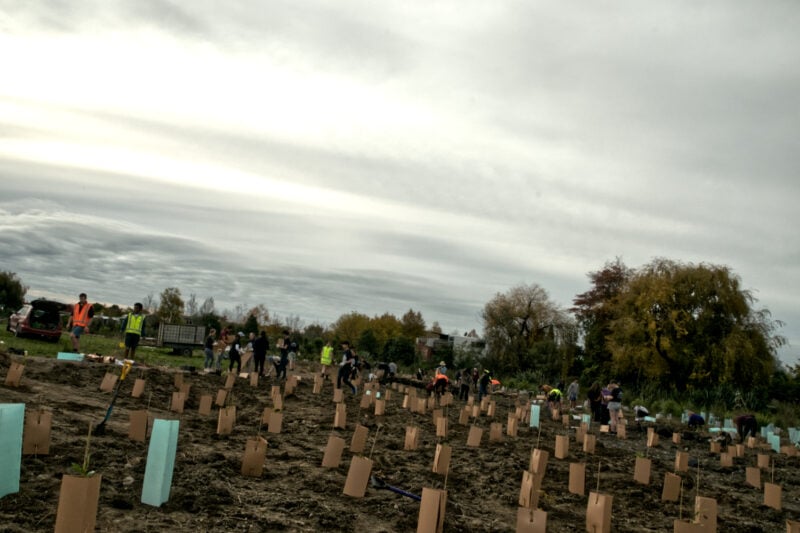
x,y
378,483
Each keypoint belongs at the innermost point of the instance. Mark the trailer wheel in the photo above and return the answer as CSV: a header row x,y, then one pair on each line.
x,y
187,352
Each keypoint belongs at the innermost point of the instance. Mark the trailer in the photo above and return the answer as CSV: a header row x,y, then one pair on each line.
x,y
181,338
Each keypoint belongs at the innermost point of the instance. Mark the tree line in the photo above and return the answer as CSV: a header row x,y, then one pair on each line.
x,y
668,324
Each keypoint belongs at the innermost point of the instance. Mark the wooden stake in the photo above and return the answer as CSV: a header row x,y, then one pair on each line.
x,y
374,441
598,475
698,475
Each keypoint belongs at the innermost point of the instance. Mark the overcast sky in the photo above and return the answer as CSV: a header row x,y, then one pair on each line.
x,y
324,157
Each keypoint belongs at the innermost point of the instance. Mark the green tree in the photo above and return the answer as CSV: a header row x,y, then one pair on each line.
x,y
367,343
518,323
412,325
12,292
691,326
594,310
350,326
400,350
170,310
384,327
251,325
211,320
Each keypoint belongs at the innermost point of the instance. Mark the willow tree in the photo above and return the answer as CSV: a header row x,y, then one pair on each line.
x,y
525,330
691,325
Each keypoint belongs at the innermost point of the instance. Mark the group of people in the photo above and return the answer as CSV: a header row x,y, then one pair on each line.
x,y
746,424
465,381
605,404
232,347
132,325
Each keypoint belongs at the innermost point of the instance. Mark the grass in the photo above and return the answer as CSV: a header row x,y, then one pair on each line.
x,y
100,345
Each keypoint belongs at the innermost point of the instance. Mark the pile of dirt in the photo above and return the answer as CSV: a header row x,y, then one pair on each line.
x,y
295,493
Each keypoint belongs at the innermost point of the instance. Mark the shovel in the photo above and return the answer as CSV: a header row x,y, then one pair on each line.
x,y
101,427
378,483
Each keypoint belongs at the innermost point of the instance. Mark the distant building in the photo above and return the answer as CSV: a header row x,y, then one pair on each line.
x,y
432,342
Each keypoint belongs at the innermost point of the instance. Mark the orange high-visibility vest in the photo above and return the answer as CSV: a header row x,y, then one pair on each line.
x,y
80,316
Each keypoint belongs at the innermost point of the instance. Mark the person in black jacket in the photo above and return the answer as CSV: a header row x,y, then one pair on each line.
x,y
235,353
746,425
484,383
260,347
346,367
595,397
284,346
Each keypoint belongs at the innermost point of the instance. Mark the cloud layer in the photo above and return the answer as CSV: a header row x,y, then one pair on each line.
x,y
320,158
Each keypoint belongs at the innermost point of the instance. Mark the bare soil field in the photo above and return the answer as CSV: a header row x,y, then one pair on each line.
x,y
295,493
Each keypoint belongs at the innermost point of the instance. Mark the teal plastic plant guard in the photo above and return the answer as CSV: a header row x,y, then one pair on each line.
x,y
12,420
535,408
69,356
160,462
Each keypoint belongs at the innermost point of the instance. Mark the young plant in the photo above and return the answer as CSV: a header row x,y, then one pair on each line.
x,y
83,469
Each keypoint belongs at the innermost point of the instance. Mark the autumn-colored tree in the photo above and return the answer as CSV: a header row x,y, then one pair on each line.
x,y
519,323
261,313
412,325
350,326
691,326
384,327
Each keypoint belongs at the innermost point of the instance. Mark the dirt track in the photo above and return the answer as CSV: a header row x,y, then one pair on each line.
x,y
296,494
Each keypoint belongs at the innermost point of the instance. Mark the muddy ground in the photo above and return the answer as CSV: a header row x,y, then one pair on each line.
x,y
296,493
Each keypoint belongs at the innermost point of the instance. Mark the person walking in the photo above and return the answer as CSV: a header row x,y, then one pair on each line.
x,y
208,348
260,347
326,358
614,406
484,383
133,327
572,394
235,354
284,345
345,368
464,381
82,314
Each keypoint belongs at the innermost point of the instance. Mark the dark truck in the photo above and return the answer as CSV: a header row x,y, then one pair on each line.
x,y
181,338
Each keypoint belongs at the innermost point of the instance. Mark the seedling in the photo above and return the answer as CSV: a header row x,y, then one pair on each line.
x,y
82,470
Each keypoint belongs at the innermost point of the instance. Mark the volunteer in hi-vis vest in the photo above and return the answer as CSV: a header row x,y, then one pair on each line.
x,y
82,313
133,326
326,358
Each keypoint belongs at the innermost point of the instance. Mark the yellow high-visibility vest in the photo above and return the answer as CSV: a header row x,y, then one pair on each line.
x,y
326,357
134,324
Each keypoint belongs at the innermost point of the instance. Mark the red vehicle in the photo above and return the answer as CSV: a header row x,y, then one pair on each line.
x,y
39,318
